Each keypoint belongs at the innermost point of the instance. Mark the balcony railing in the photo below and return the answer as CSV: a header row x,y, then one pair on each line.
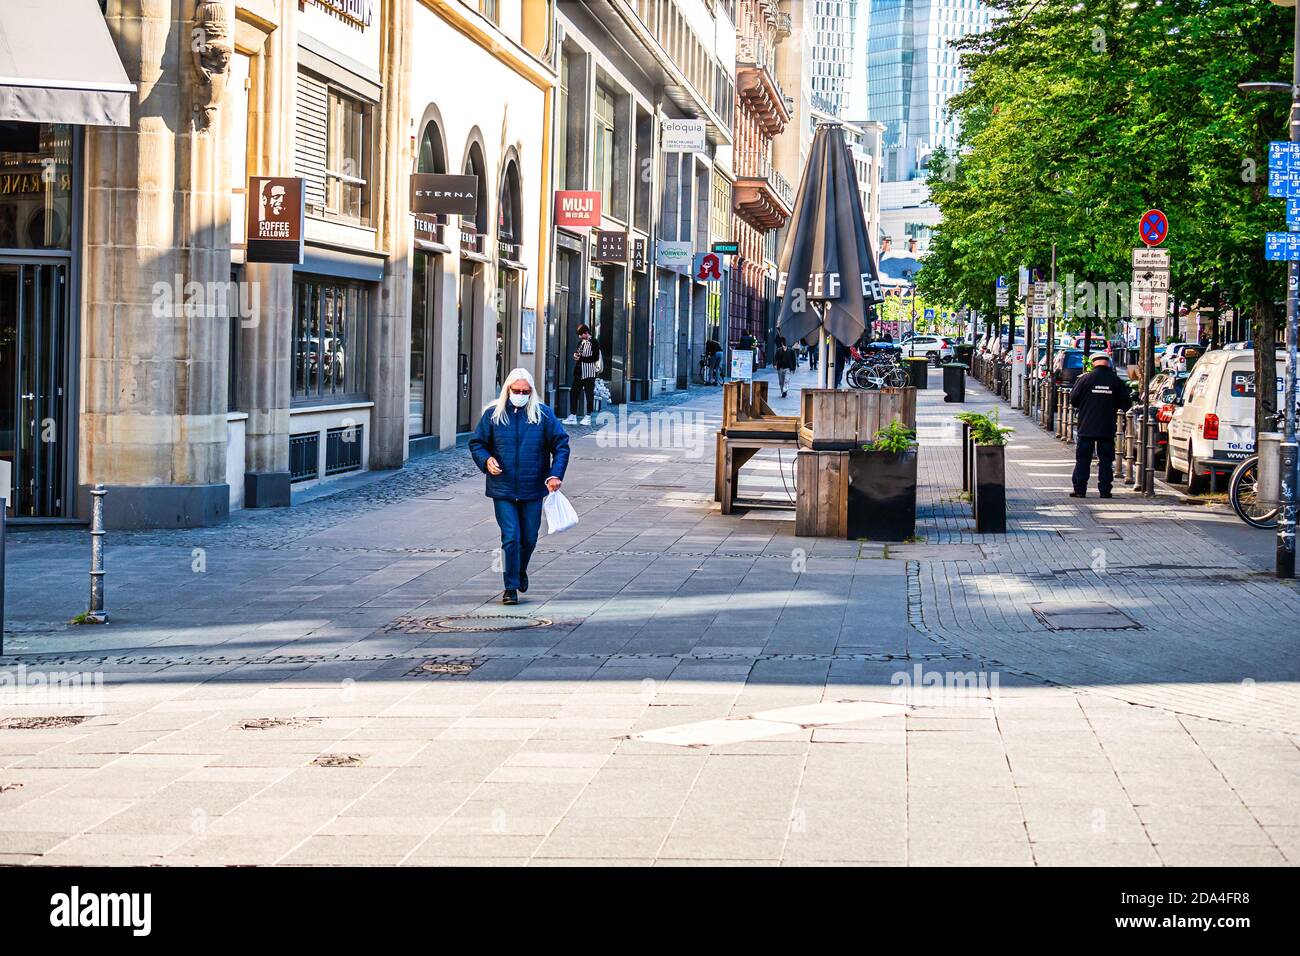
x,y
762,196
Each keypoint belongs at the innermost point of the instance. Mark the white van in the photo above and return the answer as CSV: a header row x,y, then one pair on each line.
x,y
1213,429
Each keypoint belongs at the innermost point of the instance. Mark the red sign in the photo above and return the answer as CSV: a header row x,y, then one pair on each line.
x,y
1153,227
577,208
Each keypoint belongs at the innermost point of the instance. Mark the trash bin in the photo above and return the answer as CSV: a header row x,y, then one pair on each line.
x,y
954,382
963,353
918,370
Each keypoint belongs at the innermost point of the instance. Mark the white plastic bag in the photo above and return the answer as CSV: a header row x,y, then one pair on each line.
x,y
560,515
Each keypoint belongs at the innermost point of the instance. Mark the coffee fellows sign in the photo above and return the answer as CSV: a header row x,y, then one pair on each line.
x,y
275,220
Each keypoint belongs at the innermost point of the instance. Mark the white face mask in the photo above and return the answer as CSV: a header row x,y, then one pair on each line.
x,y
519,401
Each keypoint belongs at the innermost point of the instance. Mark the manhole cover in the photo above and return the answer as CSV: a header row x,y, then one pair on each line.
x,y
1090,534
457,668
38,723
270,723
337,760
466,622
1082,616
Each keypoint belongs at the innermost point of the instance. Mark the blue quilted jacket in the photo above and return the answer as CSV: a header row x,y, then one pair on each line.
x,y
528,454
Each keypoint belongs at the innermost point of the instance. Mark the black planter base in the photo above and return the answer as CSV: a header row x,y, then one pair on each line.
x,y
882,495
990,491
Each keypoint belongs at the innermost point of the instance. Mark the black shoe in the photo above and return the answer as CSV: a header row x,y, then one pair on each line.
x,y
1078,494
509,596
523,583
1104,494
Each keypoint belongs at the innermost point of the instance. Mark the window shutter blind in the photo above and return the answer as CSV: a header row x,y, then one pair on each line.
x,y
309,142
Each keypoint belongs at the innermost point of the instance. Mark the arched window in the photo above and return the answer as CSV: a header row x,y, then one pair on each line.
x,y
475,166
509,213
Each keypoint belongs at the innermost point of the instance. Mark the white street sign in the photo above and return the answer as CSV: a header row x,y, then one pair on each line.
x,y
1148,279
1145,260
1149,303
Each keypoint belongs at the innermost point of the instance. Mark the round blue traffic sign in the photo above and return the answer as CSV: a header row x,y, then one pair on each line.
x,y
1153,227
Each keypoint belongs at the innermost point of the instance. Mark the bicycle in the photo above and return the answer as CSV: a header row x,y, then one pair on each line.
x,y
1242,493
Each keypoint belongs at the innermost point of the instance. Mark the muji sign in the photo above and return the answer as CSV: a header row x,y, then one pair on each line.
x,y
577,208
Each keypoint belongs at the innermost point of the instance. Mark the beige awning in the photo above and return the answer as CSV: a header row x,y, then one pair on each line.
x,y
58,65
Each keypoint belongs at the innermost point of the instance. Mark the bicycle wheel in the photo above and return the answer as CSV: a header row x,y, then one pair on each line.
x,y
897,378
1242,494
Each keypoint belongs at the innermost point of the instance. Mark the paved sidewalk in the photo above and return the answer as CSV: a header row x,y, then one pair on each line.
x,y
286,689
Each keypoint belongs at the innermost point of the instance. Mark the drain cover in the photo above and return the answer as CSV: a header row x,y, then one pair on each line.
x,y
38,723
466,622
270,723
457,668
1082,616
337,760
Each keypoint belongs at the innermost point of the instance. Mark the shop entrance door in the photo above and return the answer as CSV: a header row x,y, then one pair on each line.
x,y
33,356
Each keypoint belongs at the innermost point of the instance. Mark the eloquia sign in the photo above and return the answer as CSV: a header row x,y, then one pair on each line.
x,y
827,285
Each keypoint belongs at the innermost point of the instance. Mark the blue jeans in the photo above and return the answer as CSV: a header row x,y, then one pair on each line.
x,y
519,522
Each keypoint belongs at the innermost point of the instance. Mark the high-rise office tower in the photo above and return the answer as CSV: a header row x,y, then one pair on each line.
x,y
834,22
912,72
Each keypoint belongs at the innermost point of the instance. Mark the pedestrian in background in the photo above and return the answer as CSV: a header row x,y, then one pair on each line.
x,y
587,364
524,451
1099,395
786,361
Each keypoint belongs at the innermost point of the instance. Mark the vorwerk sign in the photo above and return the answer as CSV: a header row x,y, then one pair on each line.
x,y
440,194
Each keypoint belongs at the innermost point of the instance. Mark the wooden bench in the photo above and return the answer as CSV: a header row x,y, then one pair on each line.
x,y
748,426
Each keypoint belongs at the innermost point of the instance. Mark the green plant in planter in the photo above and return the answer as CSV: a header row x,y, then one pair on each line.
x,y
989,431
894,438
970,418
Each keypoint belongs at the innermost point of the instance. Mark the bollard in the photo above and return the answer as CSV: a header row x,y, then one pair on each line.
x,y
96,612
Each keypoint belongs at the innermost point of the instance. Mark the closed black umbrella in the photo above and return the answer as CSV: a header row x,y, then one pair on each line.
x,y
828,273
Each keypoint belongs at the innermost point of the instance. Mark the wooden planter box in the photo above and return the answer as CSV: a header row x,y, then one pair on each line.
x,y
836,419
989,492
821,494
882,495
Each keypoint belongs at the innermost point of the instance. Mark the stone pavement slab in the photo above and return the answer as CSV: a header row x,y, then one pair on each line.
x,y
1105,684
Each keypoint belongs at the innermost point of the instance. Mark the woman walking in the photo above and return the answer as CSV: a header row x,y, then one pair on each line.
x,y
586,366
523,449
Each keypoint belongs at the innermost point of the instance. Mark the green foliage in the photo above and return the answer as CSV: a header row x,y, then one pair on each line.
x,y
986,429
894,438
1081,114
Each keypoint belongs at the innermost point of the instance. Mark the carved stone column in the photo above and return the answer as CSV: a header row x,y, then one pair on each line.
x,y
157,208
390,330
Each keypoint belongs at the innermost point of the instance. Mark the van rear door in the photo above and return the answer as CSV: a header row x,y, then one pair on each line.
x,y
1236,407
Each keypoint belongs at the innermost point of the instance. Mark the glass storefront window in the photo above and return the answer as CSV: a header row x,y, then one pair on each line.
x,y
329,350
35,186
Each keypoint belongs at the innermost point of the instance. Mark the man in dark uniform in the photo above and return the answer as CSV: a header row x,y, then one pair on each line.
x,y
1099,395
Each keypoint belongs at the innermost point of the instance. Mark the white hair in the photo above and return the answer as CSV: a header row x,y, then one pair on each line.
x,y
502,403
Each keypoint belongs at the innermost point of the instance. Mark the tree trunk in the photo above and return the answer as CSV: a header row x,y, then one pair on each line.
x,y
1264,327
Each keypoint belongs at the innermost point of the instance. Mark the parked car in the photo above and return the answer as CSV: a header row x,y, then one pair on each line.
x,y
1212,429
1166,391
1096,343
1068,365
1179,356
933,347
